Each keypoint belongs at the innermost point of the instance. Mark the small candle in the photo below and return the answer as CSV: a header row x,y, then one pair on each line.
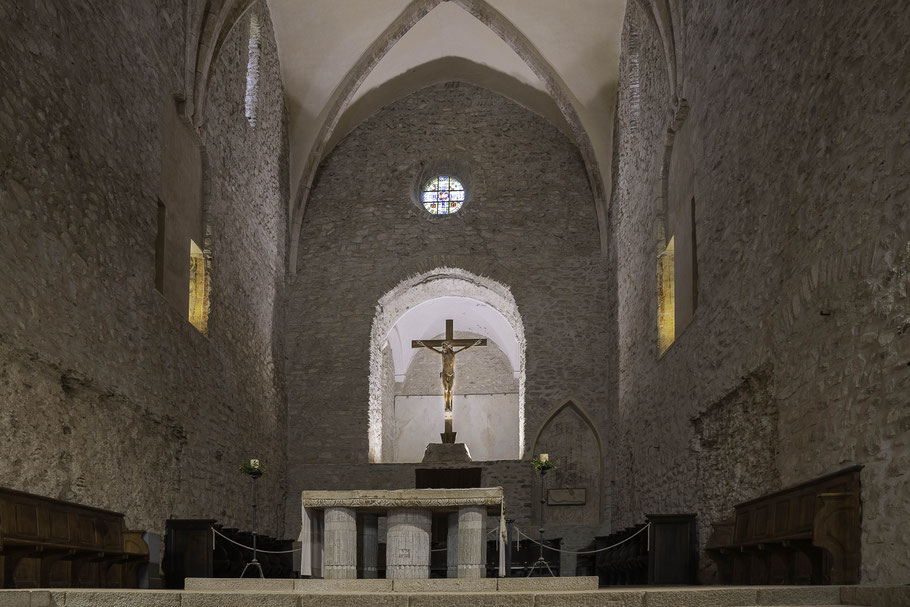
x,y
544,457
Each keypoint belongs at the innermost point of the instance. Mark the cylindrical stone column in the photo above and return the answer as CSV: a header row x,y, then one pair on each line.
x,y
369,545
340,540
408,543
472,545
452,546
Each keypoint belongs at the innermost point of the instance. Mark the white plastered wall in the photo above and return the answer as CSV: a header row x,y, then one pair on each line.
x,y
476,304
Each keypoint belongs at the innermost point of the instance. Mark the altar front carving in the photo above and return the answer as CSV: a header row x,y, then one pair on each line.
x,y
339,524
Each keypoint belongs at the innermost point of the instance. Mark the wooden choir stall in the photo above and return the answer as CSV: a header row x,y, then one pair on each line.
x,y
805,534
51,543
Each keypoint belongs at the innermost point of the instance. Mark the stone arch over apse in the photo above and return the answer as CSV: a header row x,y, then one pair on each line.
x,y
572,441
511,35
502,320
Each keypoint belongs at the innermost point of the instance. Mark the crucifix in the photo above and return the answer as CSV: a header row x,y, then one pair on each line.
x,y
448,348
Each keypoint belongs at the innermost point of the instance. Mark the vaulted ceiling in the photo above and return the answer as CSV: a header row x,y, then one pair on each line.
x,y
341,60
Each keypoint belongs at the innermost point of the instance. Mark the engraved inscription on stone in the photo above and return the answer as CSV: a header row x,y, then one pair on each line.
x,y
567,497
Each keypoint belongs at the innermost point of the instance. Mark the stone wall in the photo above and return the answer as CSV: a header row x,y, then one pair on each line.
x,y
530,225
796,361
109,396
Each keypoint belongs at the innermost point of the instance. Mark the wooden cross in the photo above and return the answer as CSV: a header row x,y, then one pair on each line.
x,y
447,348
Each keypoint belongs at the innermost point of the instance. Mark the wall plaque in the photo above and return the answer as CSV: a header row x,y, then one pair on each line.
x,y
566,497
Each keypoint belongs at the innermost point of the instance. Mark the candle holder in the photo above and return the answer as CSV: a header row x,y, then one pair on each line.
x,y
254,471
542,464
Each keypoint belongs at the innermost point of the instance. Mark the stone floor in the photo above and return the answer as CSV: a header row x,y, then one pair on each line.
x,y
513,592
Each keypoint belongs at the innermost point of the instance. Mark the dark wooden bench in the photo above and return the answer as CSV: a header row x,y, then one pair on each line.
x,y
50,543
807,533
664,554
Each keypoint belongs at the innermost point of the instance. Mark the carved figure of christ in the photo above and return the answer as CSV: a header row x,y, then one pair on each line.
x,y
448,348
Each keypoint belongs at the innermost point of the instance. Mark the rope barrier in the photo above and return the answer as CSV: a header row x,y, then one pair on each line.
x,y
250,547
520,532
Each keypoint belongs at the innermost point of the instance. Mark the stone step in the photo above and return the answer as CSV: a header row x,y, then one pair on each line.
x,y
285,593
432,585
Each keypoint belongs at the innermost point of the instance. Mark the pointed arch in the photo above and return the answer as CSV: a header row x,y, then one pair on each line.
x,y
586,469
665,17
210,24
554,413
512,36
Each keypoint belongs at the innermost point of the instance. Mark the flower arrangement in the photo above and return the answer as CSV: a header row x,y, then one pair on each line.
x,y
252,468
542,463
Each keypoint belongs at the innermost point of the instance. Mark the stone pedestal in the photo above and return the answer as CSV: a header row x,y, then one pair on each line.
x,y
452,547
472,545
408,543
445,453
369,545
340,537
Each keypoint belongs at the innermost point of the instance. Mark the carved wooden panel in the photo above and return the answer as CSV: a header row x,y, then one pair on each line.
x,y
26,520
59,527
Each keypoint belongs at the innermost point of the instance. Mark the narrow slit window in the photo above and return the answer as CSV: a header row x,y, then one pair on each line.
x,y
666,298
199,289
634,76
252,70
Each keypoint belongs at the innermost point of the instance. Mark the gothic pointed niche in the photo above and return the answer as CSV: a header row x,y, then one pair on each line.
x,y
574,487
406,392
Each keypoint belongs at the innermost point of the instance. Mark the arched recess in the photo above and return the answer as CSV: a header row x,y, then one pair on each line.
x,y
209,23
512,36
675,243
665,16
504,323
570,437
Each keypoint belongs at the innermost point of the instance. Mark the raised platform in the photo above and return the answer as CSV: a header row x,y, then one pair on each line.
x,y
446,453
507,592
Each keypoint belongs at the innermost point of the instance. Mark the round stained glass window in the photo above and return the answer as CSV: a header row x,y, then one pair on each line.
x,y
443,195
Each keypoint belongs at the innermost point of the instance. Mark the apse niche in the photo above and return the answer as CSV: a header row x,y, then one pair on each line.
x,y
406,392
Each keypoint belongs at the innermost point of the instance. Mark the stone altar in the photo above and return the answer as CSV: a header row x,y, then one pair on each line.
x,y
336,523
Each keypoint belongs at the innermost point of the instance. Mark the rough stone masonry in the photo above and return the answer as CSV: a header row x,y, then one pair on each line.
x,y
109,396
796,361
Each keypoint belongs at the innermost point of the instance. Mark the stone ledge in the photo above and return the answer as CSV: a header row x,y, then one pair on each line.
x,y
875,596
719,596
234,599
799,595
460,593
308,585
592,598
27,598
226,584
525,584
446,585
491,599
115,598
386,599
